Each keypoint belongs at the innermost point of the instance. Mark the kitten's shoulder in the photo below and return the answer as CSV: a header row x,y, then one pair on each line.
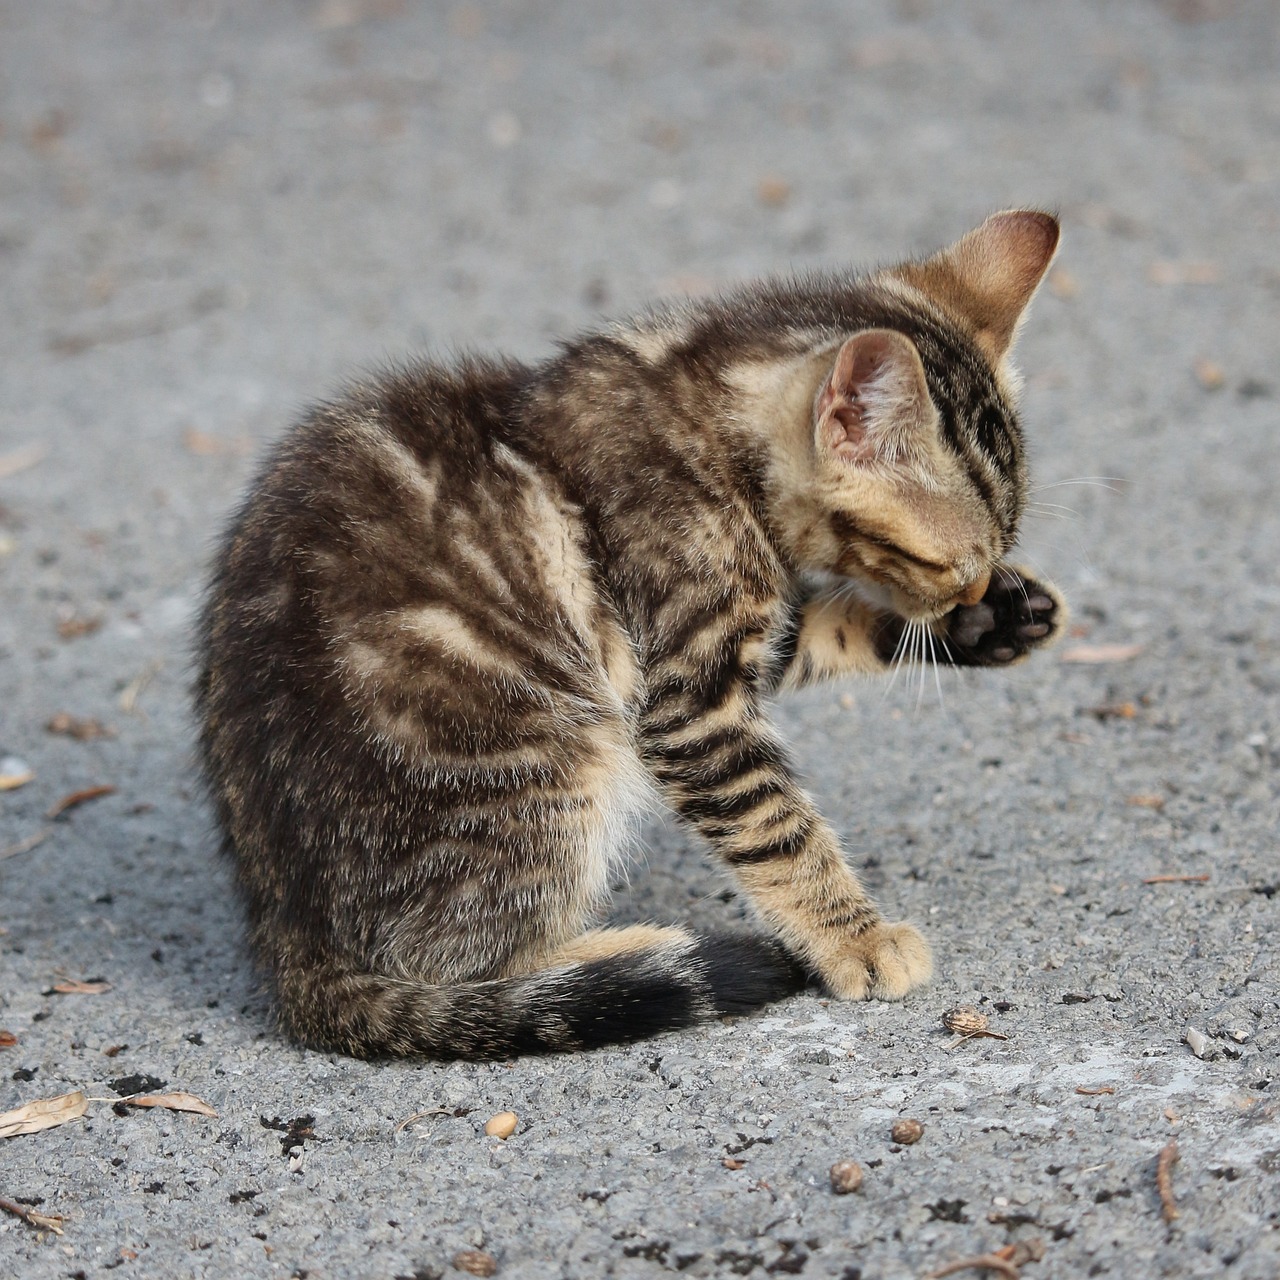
x,y
426,404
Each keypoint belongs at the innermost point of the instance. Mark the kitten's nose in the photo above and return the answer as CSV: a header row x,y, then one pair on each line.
x,y
976,589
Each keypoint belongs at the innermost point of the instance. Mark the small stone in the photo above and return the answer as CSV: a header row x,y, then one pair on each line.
x,y
773,191
1209,374
846,1177
905,1132
965,1020
1062,284
503,1125
475,1262
1197,1041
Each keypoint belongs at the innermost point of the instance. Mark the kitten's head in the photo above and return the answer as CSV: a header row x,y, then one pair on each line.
x,y
917,474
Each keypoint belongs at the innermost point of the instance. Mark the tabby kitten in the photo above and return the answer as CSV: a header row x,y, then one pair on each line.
x,y
470,618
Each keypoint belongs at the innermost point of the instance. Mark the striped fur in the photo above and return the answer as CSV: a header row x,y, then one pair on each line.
x,y
471,621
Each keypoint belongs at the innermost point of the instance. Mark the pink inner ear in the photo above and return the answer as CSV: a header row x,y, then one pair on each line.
x,y
840,417
872,397
844,431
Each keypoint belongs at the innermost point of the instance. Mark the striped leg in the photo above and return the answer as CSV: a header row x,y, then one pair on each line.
x,y
832,634
723,769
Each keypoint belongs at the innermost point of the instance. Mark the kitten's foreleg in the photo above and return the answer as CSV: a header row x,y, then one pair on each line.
x,y
723,768
832,633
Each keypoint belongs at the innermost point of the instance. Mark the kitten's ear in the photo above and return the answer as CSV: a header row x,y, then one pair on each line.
x,y
873,398
989,275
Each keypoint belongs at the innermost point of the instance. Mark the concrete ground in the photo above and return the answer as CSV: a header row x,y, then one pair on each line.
x,y
210,212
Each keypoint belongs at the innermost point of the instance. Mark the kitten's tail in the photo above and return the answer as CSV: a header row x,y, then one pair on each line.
x,y
613,999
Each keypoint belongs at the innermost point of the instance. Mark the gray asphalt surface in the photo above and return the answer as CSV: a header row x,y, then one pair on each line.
x,y
210,212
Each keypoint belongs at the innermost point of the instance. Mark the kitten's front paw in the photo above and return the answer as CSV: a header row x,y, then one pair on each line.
x,y
883,962
1016,615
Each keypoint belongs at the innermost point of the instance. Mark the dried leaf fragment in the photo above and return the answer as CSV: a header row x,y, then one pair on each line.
x,y
846,1177
25,846
95,987
1165,1161
1113,711
77,798
21,459
206,445
1166,272
81,730
43,1221
14,773
1006,1260
73,625
1197,1041
732,1162
979,1262
44,1113
1145,800
7,1039
422,1115
965,1020
177,1101
130,694
475,1262
1097,653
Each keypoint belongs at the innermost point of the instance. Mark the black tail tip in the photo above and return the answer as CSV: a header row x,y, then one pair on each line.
x,y
745,971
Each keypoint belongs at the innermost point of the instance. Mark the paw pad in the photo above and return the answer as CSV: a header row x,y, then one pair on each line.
x,y
1016,615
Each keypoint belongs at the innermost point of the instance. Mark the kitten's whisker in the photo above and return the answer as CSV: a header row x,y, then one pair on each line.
x,y
951,657
1108,483
908,638
937,679
1022,586
898,651
920,633
1052,511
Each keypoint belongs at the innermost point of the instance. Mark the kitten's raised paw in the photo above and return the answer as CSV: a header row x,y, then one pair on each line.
x,y
883,962
1016,615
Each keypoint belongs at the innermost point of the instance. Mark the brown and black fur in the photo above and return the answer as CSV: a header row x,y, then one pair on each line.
x,y
470,619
